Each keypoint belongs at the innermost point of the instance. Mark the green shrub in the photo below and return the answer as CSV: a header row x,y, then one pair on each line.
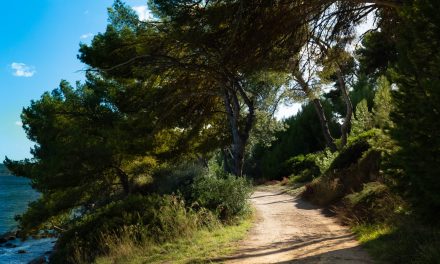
x,y
148,218
406,241
169,179
298,164
324,191
324,159
374,203
354,150
308,167
304,176
227,196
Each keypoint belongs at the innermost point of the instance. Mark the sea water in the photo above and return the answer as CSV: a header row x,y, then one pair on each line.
x,y
15,194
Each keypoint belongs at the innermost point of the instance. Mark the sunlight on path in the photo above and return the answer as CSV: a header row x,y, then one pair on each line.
x,y
291,230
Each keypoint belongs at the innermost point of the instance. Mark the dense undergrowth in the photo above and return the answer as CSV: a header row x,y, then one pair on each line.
x,y
198,202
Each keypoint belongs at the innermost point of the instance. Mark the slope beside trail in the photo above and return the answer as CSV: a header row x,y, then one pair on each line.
x,y
290,230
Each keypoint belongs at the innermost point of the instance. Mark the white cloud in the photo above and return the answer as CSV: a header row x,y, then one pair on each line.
x,y
22,70
18,123
143,12
85,36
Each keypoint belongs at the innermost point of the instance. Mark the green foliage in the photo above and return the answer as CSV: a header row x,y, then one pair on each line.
x,y
305,175
305,168
144,218
378,51
362,89
202,247
375,203
303,135
379,116
356,164
406,241
383,104
417,101
324,159
353,151
87,151
300,163
362,119
324,191
225,195
168,179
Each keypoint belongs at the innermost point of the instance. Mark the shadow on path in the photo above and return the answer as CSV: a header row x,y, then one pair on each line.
x,y
340,256
246,253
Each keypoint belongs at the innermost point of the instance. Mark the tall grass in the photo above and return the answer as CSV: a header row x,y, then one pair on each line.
x,y
201,247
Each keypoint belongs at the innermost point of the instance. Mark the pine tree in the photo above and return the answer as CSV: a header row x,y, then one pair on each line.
x,y
417,100
363,119
383,104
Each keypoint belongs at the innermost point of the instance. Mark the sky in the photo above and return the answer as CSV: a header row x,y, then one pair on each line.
x,y
38,48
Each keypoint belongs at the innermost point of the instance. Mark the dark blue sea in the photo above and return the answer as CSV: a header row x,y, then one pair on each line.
x,y
15,194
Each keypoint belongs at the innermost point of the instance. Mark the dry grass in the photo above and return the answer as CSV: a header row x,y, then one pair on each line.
x,y
323,191
201,247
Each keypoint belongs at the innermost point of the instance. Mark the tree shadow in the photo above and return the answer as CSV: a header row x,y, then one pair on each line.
x,y
268,195
289,200
339,256
280,247
300,203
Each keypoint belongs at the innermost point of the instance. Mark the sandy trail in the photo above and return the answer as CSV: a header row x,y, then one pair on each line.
x,y
291,230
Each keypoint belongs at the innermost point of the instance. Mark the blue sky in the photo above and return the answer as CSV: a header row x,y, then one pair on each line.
x,y
38,48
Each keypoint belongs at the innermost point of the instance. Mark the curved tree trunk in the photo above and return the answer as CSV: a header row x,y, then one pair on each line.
x,y
346,125
330,142
240,129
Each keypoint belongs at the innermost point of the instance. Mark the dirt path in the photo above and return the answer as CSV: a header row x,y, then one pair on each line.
x,y
291,230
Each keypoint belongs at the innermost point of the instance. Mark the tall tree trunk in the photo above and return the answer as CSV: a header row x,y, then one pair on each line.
x,y
330,142
232,115
346,125
240,133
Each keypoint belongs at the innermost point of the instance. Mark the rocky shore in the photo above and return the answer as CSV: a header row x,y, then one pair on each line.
x,y
32,250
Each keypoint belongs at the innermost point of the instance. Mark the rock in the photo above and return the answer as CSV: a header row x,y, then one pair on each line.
x,y
10,245
5,237
39,260
11,238
22,251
